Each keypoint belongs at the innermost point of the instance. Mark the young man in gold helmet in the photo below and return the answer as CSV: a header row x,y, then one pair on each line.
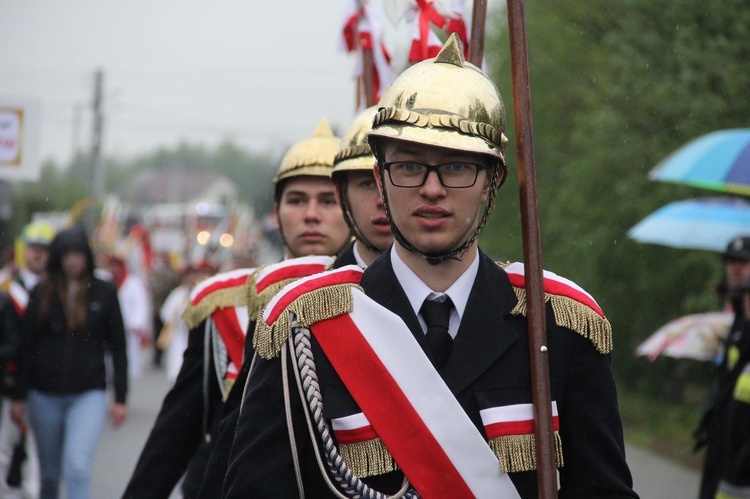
x,y
310,223
364,213
412,376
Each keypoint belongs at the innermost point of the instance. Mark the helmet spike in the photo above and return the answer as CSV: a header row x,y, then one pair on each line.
x,y
451,52
323,129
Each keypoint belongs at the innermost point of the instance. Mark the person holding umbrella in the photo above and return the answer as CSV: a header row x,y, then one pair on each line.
x,y
725,426
422,359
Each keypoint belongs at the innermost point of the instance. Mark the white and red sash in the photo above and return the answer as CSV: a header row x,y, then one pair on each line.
x,y
408,405
18,296
290,269
232,324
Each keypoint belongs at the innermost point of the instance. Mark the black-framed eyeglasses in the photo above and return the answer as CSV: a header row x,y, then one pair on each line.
x,y
457,175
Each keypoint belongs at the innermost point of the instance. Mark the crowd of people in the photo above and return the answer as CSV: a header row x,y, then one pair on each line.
x,y
386,354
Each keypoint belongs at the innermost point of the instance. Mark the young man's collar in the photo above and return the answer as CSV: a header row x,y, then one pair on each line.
x,y
417,291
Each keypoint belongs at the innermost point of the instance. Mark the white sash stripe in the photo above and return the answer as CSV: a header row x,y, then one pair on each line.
x,y
397,349
353,422
508,413
242,318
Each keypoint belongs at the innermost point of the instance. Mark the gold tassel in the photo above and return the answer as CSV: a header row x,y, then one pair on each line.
x,y
315,306
367,458
573,315
518,452
221,298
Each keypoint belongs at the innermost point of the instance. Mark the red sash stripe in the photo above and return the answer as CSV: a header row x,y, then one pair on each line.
x,y
231,331
291,272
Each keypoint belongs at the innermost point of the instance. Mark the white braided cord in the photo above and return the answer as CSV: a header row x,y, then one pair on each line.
x,y
352,485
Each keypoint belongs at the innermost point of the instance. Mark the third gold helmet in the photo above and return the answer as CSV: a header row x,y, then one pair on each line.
x,y
312,156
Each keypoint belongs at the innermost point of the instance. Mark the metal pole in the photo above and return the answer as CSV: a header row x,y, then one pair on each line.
x,y
532,251
367,77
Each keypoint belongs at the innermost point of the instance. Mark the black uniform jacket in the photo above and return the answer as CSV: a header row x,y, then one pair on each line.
x,y
184,419
223,433
488,367
194,430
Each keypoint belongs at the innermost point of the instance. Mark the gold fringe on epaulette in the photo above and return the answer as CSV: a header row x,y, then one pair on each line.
x,y
221,298
573,315
256,302
518,452
368,458
309,308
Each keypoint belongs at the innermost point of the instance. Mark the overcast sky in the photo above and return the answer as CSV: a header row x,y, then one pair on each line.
x,y
259,73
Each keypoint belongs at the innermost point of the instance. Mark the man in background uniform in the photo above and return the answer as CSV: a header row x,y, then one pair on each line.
x,y
310,223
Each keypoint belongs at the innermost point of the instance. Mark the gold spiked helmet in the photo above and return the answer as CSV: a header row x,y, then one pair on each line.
x,y
445,102
355,154
312,156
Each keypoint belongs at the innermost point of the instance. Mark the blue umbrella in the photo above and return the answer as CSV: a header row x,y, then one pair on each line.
x,y
708,224
718,161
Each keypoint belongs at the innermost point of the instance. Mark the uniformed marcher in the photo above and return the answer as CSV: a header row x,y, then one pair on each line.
x,y
412,376
364,214
186,429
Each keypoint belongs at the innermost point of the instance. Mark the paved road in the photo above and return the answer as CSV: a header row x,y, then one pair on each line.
x,y
654,477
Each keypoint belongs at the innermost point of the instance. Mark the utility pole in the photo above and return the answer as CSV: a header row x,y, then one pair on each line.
x,y
96,185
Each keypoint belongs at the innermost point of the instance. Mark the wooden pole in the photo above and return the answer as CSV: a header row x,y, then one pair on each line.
x,y
476,41
532,251
367,77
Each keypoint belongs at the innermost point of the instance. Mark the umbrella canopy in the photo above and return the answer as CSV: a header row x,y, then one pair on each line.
x,y
696,336
719,161
708,224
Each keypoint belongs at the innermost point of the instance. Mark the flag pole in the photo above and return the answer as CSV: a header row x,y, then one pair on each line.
x,y
476,41
532,252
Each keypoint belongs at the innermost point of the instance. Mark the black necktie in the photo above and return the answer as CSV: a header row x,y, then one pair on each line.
x,y
436,315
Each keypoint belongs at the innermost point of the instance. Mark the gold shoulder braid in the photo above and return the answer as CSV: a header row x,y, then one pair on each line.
x,y
234,296
311,307
571,314
256,301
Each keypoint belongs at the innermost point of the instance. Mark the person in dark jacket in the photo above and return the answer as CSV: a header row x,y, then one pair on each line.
x,y
73,319
725,427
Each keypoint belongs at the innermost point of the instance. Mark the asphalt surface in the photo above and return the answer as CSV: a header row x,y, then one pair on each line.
x,y
653,477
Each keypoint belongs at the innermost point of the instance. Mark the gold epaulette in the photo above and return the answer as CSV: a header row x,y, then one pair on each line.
x,y
219,293
569,313
311,300
256,301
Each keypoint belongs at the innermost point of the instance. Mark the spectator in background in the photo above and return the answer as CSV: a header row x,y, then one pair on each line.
x,y
135,304
725,426
72,319
32,254
164,279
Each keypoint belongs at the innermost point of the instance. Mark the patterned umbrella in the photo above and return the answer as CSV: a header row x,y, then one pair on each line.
x,y
708,224
696,336
718,161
